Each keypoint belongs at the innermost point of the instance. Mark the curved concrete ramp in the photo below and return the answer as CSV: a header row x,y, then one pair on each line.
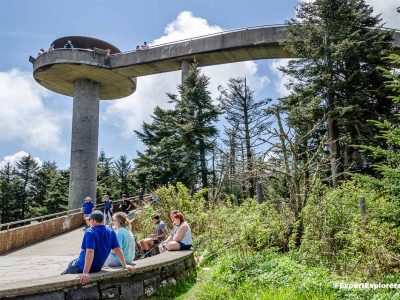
x,y
264,42
45,259
118,75
34,273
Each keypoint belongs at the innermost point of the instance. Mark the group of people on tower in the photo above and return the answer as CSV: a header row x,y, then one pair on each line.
x,y
69,45
144,46
116,246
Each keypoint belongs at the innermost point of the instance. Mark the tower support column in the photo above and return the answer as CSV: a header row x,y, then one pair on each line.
x,y
84,142
185,65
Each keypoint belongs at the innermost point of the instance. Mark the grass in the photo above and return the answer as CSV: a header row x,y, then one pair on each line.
x,y
266,276
187,289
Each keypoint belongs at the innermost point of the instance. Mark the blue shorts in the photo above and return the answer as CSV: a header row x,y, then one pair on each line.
x,y
182,246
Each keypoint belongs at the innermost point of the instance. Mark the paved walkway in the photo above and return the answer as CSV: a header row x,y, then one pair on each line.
x,y
46,259
42,260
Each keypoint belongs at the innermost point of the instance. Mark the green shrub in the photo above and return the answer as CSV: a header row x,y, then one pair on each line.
x,y
271,275
221,226
336,236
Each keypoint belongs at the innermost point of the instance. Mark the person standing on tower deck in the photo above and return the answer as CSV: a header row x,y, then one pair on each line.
x,y
144,46
69,45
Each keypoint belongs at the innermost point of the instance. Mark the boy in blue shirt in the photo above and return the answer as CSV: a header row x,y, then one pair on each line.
x,y
87,208
97,243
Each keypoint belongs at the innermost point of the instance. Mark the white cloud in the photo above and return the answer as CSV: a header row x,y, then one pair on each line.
x,y
12,159
385,7
388,10
389,15
220,75
280,79
186,26
23,115
130,112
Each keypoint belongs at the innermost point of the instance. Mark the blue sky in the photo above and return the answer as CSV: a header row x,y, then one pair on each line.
x,y
37,121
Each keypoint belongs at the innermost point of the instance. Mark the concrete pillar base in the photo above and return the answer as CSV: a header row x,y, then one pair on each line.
x,y
185,65
84,142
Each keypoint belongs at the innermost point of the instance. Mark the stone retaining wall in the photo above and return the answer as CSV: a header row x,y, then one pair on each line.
x,y
163,270
19,237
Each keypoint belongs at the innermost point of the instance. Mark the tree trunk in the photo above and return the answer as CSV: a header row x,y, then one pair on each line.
x,y
249,154
259,193
203,166
333,139
232,162
333,128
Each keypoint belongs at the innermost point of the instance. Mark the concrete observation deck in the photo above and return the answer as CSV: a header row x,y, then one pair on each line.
x,y
90,73
58,70
120,72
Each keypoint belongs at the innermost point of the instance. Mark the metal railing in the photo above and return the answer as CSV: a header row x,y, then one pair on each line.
x,y
221,33
7,226
205,36
194,38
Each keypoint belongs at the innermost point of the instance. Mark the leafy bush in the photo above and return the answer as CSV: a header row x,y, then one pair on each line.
x,y
271,275
336,236
174,198
221,226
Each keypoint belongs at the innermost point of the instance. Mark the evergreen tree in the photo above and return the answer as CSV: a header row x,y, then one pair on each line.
x,y
122,169
106,179
161,163
196,117
41,182
57,192
247,125
8,212
179,140
337,79
25,171
388,157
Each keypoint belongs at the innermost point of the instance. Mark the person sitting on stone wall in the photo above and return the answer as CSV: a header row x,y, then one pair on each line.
x,y
97,243
125,238
181,236
161,231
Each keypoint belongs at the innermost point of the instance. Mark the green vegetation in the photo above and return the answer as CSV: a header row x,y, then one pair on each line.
x,y
269,275
292,198
241,249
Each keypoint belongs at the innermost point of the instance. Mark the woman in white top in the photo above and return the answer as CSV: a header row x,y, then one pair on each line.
x,y
181,236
